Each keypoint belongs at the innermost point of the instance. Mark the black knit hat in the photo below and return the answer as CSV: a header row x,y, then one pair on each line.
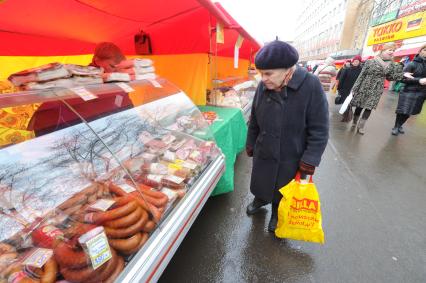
x,y
276,55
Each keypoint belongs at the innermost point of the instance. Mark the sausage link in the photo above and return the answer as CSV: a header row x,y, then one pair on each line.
x,y
125,221
116,190
124,245
129,231
136,249
66,256
101,217
50,271
107,271
117,271
149,226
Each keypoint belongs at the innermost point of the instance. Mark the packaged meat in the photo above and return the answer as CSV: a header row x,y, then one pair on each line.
x,y
168,139
149,76
173,182
169,156
43,73
184,173
86,80
116,77
134,164
80,70
154,168
149,157
144,70
141,63
151,180
171,194
145,137
156,145
63,83
177,144
183,153
198,157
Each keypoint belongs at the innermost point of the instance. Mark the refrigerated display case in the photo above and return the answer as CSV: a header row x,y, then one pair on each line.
x,y
106,183
235,92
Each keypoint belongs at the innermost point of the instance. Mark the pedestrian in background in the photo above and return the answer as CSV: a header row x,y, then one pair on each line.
x,y
347,80
369,86
288,129
326,72
412,96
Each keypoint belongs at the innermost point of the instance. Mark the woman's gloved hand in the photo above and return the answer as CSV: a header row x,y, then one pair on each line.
x,y
306,169
249,151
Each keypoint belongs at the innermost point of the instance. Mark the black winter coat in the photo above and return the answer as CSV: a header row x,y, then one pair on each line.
x,y
348,79
286,127
413,94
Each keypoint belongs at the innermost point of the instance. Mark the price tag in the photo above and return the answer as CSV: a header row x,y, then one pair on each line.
x,y
127,188
38,258
125,87
98,249
118,100
102,204
83,93
189,165
155,83
174,179
155,178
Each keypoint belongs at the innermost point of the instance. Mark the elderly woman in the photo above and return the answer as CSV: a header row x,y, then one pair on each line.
x,y
369,86
288,129
413,95
326,72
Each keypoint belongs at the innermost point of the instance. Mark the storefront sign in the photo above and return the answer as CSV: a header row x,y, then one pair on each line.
x,y
385,18
378,47
407,27
409,7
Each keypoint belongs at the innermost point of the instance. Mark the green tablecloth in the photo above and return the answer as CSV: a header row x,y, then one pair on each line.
x,y
230,132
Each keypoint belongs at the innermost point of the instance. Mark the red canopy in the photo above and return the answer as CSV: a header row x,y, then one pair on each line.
x,y
72,27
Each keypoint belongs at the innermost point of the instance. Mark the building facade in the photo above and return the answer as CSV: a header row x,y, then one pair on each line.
x,y
334,28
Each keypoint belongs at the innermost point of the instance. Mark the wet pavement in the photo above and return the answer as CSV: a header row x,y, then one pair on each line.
x,y
373,195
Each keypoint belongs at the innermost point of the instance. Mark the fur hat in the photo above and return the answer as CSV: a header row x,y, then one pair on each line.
x,y
276,55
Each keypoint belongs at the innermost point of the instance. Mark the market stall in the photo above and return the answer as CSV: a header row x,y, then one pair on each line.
x,y
109,184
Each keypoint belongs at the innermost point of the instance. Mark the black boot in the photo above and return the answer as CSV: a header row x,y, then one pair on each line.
x,y
255,206
274,218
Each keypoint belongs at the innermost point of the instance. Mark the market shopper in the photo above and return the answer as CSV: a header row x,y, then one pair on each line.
x,y
107,55
346,82
369,86
413,95
326,72
288,129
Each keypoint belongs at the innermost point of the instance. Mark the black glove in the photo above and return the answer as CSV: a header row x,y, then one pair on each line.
x,y
306,169
249,151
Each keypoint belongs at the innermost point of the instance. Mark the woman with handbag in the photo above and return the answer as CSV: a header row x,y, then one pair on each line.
x,y
369,86
346,82
413,95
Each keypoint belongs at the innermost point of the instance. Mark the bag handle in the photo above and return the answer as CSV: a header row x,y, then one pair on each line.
x,y
298,175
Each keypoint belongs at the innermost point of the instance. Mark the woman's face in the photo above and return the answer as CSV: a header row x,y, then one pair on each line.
x,y
273,79
387,54
355,63
423,53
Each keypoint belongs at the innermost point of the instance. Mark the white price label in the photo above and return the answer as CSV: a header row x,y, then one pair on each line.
x,y
118,100
155,178
155,83
98,249
102,204
127,88
127,188
83,93
174,179
38,258
189,165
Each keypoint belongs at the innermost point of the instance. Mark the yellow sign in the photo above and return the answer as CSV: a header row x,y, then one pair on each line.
x,y
407,27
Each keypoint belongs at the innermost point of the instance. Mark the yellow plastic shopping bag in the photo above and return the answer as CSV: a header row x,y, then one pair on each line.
x,y
299,212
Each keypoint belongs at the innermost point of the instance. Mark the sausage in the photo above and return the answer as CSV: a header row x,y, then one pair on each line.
x,y
153,210
68,257
116,190
50,270
117,271
101,217
125,245
6,248
129,231
138,247
106,272
125,221
149,226
73,201
73,209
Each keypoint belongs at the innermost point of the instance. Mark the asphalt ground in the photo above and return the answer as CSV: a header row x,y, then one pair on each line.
x,y
373,197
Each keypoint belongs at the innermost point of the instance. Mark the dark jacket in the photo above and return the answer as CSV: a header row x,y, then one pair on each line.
x,y
413,95
418,68
286,127
348,78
